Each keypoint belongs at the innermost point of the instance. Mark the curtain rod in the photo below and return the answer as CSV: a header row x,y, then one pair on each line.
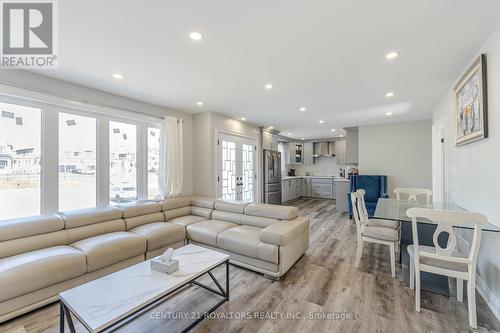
x,y
75,99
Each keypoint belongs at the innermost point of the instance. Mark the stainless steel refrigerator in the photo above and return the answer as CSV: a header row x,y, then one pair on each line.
x,y
272,177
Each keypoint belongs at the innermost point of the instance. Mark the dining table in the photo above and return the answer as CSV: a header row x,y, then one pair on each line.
x,y
395,210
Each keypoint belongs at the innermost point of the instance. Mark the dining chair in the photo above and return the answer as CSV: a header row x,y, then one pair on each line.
x,y
446,261
371,233
413,193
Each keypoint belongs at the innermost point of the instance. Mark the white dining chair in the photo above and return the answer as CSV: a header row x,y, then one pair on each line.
x,y
371,233
413,193
446,261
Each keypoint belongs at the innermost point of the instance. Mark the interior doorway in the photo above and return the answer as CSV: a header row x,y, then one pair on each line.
x,y
236,168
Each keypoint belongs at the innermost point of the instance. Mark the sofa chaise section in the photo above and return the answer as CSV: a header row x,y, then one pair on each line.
x,y
265,238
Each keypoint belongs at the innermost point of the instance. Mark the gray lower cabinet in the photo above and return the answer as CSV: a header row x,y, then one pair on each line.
x,y
305,187
285,190
290,189
322,188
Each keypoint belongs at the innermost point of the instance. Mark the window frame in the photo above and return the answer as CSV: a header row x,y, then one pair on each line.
x,y
50,106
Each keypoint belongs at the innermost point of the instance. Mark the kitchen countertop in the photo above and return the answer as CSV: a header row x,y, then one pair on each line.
x,y
335,178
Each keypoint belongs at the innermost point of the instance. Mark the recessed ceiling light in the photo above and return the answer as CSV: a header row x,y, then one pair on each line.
x,y
195,35
269,86
391,55
243,118
271,127
302,109
303,138
341,135
388,114
289,134
321,121
389,94
333,130
199,103
118,76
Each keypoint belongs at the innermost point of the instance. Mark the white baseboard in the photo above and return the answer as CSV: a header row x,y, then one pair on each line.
x,y
489,297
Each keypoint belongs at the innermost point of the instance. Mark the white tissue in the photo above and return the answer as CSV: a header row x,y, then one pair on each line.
x,y
167,255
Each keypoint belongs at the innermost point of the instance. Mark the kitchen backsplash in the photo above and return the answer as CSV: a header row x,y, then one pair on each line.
x,y
323,166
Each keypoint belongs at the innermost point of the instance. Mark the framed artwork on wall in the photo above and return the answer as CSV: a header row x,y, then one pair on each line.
x,y
471,113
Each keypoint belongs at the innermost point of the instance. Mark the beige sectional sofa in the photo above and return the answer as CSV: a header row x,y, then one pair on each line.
x,y
42,256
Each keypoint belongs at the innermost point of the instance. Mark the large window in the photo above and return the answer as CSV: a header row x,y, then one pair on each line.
x,y
153,162
20,160
122,162
70,155
77,161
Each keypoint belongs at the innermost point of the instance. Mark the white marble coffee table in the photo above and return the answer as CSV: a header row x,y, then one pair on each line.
x,y
121,296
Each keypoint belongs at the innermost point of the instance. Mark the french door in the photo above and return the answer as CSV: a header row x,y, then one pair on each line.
x,y
236,175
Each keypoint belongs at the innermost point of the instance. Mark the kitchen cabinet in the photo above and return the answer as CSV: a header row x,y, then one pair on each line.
x,y
269,140
331,148
296,152
322,188
351,145
305,188
308,153
295,189
290,189
285,190
341,151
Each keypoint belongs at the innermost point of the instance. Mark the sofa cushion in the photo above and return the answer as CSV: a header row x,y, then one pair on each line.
x,y
160,234
187,220
139,208
30,226
178,202
26,244
81,217
206,231
30,271
230,205
134,222
227,216
245,240
96,229
176,212
108,249
272,211
205,202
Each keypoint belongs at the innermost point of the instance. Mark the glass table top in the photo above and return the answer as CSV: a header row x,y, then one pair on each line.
x,y
392,209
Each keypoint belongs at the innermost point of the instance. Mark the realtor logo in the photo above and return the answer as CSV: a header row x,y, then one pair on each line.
x,y
28,34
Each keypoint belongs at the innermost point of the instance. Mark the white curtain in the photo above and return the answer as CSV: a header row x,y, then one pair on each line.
x,y
171,158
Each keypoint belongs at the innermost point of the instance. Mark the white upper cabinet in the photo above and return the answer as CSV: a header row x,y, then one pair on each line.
x,y
269,140
341,151
308,153
352,145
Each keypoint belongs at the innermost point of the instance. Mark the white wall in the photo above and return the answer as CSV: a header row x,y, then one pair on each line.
x,y
402,151
40,83
206,127
471,171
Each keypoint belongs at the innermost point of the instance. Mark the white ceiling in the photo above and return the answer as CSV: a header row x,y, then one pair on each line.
x,y
327,55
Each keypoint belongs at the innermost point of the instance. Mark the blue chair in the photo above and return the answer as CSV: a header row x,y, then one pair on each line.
x,y
375,187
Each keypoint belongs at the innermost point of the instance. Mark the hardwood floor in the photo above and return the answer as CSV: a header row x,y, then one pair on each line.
x,y
323,283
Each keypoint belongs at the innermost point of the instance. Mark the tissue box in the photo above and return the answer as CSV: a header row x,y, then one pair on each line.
x,y
160,266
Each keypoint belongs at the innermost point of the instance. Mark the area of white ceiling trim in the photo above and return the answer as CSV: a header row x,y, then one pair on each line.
x,y
328,56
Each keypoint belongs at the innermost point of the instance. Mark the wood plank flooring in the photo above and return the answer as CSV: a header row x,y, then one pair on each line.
x,y
322,284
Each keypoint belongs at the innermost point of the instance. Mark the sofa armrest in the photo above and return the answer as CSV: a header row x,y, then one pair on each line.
x,y
283,232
